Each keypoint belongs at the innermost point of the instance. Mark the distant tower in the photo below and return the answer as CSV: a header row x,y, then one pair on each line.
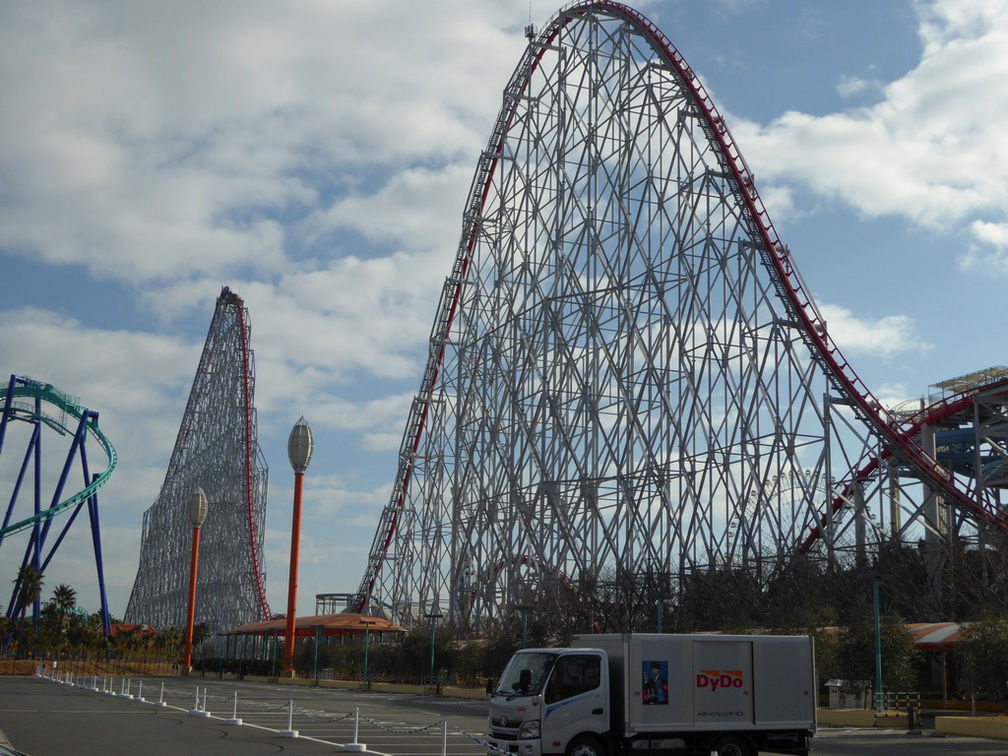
x,y
216,450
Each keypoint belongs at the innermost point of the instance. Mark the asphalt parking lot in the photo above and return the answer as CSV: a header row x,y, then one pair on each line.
x,y
46,718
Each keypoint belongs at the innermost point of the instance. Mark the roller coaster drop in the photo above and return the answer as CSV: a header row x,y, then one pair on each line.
x,y
217,449
626,371
41,405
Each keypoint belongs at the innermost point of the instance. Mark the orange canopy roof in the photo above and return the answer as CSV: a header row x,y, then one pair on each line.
x,y
344,623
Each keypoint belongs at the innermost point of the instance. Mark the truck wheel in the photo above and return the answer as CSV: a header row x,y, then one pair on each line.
x,y
585,745
732,745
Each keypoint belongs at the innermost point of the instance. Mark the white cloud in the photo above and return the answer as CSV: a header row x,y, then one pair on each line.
x,y
178,144
884,337
418,207
990,255
931,150
852,86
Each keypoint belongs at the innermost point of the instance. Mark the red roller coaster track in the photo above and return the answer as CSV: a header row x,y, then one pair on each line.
x,y
775,256
249,460
799,301
931,415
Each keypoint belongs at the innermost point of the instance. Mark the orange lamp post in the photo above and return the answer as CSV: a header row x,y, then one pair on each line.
x,y
299,451
198,508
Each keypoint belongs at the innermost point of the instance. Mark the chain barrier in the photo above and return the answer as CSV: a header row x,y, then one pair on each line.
x,y
401,730
216,698
261,708
315,717
474,738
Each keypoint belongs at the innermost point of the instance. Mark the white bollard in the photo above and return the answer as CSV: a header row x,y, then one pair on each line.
x,y
126,691
195,711
290,732
444,737
234,712
161,702
205,712
139,696
356,746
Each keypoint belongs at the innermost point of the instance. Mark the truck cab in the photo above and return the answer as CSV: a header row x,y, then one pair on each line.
x,y
551,701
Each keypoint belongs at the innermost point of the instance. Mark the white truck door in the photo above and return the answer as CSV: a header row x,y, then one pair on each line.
x,y
723,683
574,701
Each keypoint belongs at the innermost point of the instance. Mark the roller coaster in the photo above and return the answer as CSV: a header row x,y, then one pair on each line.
x,y
41,405
217,449
628,373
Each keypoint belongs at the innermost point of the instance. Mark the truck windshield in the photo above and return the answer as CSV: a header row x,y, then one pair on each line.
x,y
535,664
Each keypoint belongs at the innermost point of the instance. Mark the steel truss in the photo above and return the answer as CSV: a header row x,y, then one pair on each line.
x,y
216,449
626,372
41,405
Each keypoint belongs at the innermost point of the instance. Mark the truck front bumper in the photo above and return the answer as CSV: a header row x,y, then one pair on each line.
x,y
496,747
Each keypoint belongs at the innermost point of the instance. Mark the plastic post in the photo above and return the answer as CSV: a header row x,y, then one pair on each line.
x,y
356,746
290,732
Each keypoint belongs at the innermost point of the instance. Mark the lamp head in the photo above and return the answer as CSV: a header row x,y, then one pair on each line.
x,y
300,446
198,508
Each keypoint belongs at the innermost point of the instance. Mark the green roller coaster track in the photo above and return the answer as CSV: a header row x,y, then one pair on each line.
x,y
67,407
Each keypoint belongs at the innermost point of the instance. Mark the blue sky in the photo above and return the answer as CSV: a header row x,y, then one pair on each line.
x,y
315,158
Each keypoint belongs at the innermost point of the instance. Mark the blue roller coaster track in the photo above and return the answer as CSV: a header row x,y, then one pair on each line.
x,y
42,404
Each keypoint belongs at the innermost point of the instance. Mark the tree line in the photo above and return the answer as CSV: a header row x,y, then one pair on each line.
x,y
833,602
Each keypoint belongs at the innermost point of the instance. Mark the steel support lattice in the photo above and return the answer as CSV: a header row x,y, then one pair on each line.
x,y
626,371
216,449
41,405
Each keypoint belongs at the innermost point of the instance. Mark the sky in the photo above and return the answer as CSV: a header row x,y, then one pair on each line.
x,y
315,155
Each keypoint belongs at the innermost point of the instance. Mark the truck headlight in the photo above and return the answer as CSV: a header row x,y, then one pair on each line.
x,y
529,730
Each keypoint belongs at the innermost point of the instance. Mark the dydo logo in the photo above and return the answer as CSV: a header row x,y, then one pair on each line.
x,y
720,678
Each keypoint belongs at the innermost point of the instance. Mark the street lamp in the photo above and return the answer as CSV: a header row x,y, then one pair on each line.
x,y
877,578
299,452
525,609
367,638
878,646
434,616
198,508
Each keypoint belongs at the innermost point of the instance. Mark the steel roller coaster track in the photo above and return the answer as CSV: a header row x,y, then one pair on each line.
x,y
42,404
616,253
216,449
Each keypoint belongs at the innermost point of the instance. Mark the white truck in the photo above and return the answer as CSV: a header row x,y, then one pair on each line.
x,y
644,694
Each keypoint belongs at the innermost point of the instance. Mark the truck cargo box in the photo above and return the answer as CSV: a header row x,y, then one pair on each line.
x,y
708,682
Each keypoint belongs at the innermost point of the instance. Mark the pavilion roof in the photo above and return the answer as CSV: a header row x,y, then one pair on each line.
x,y
343,623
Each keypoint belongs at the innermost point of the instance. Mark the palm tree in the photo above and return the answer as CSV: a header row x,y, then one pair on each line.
x,y
64,597
28,587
